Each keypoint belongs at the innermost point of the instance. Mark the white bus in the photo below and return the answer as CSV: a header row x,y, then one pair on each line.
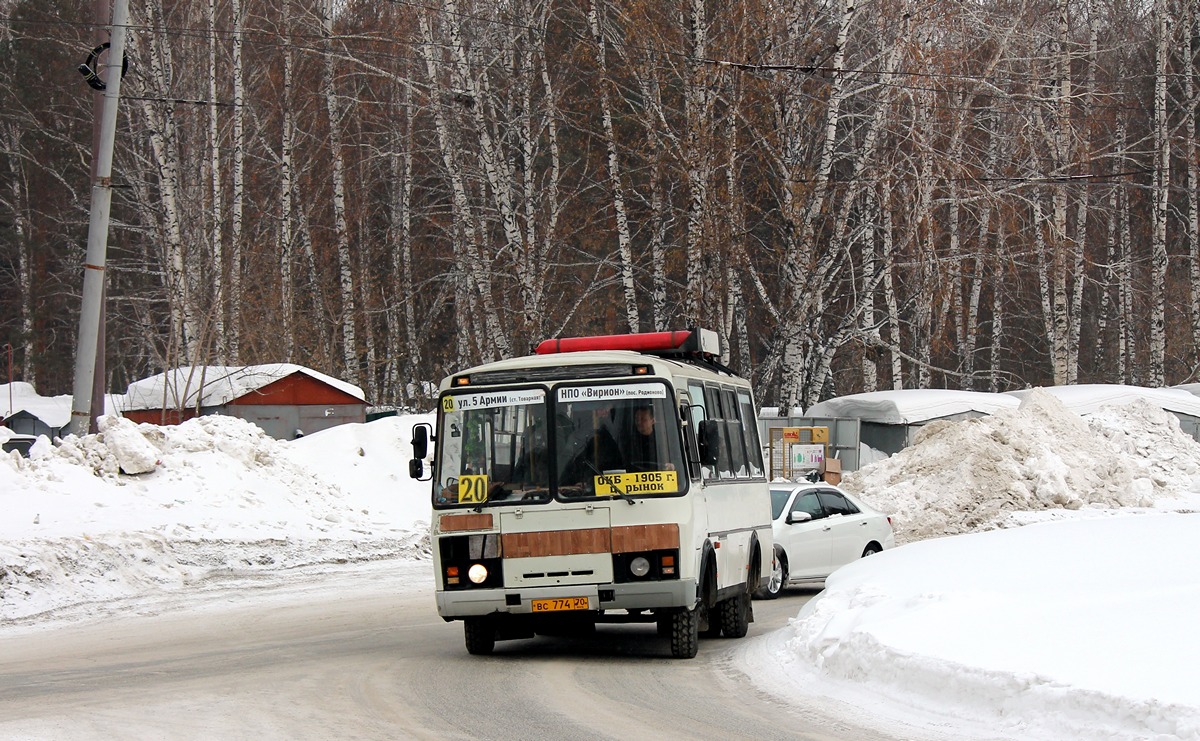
x,y
602,479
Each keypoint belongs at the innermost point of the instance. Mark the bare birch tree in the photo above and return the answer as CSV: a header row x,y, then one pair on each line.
x,y
238,198
341,230
624,240
1162,187
216,204
1191,155
158,106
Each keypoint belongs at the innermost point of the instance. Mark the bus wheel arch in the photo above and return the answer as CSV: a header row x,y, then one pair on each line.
x,y
706,583
754,568
707,593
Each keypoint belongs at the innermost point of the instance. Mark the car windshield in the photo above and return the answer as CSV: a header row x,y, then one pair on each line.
x,y
779,500
505,446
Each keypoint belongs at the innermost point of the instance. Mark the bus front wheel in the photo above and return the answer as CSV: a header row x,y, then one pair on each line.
x,y
480,635
685,633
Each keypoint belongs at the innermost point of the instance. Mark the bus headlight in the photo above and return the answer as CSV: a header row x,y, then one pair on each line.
x,y
478,573
639,566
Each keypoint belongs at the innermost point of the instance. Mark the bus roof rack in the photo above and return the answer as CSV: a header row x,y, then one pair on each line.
x,y
692,344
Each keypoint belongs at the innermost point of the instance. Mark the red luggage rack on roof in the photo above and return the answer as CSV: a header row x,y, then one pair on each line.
x,y
695,343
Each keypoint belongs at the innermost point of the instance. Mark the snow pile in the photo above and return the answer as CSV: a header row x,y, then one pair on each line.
x,y
970,475
128,446
1015,633
216,496
1151,436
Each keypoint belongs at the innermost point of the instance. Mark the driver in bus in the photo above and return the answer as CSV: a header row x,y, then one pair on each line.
x,y
644,446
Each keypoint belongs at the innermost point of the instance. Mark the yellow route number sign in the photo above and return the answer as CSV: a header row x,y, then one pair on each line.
x,y
646,482
472,489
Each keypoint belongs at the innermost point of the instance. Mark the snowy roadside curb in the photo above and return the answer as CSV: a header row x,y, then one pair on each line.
x,y
41,578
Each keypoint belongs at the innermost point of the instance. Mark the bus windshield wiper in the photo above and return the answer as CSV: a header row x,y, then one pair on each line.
x,y
613,489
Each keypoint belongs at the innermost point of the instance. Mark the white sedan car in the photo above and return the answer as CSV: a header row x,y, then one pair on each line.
x,y
819,527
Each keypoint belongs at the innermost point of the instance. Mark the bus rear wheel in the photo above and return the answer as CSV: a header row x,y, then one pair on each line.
x,y
480,636
685,633
733,615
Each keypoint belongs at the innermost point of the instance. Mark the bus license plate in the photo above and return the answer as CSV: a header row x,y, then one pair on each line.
x,y
561,603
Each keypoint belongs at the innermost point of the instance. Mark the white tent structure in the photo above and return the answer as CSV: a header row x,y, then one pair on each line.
x,y
24,412
1191,388
912,406
890,419
1087,398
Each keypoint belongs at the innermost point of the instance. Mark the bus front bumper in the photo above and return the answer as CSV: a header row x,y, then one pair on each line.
x,y
635,596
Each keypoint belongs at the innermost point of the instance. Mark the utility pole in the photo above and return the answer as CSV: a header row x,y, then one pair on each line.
x,y
97,246
101,10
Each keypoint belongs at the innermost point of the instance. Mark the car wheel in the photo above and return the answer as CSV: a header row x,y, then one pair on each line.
x,y
480,635
778,578
871,550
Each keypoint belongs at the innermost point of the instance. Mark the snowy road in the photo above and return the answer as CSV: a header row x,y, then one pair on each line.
x,y
351,654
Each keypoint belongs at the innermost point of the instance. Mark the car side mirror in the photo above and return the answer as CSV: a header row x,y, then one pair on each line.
x,y
796,517
416,468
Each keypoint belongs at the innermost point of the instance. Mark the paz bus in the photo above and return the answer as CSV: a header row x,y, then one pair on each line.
x,y
599,480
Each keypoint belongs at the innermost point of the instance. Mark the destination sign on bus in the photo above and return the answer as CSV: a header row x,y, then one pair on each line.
x,y
644,482
491,399
605,393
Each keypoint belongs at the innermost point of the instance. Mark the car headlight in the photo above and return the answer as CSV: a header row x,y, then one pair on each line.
x,y
478,573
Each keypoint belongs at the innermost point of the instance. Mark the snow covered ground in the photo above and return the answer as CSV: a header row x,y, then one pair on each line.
x,y
142,507
1045,588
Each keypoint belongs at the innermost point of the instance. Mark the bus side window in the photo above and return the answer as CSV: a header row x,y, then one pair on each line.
x,y
712,395
691,445
733,433
750,428
699,414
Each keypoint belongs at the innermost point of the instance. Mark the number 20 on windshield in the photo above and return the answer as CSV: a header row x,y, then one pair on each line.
x,y
472,489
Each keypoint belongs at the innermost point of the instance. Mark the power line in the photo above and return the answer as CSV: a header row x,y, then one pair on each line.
x,y
1088,179
263,38
270,40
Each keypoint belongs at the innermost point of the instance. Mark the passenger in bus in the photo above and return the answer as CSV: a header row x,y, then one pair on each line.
x,y
533,463
643,448
601,450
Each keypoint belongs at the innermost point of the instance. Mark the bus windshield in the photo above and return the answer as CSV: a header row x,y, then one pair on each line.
x,y
593,440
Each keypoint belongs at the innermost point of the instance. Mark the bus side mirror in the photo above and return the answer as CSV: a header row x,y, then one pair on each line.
x,y
710,441
420,442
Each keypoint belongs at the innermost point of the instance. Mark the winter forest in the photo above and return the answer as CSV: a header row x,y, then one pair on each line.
x,y
856,194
